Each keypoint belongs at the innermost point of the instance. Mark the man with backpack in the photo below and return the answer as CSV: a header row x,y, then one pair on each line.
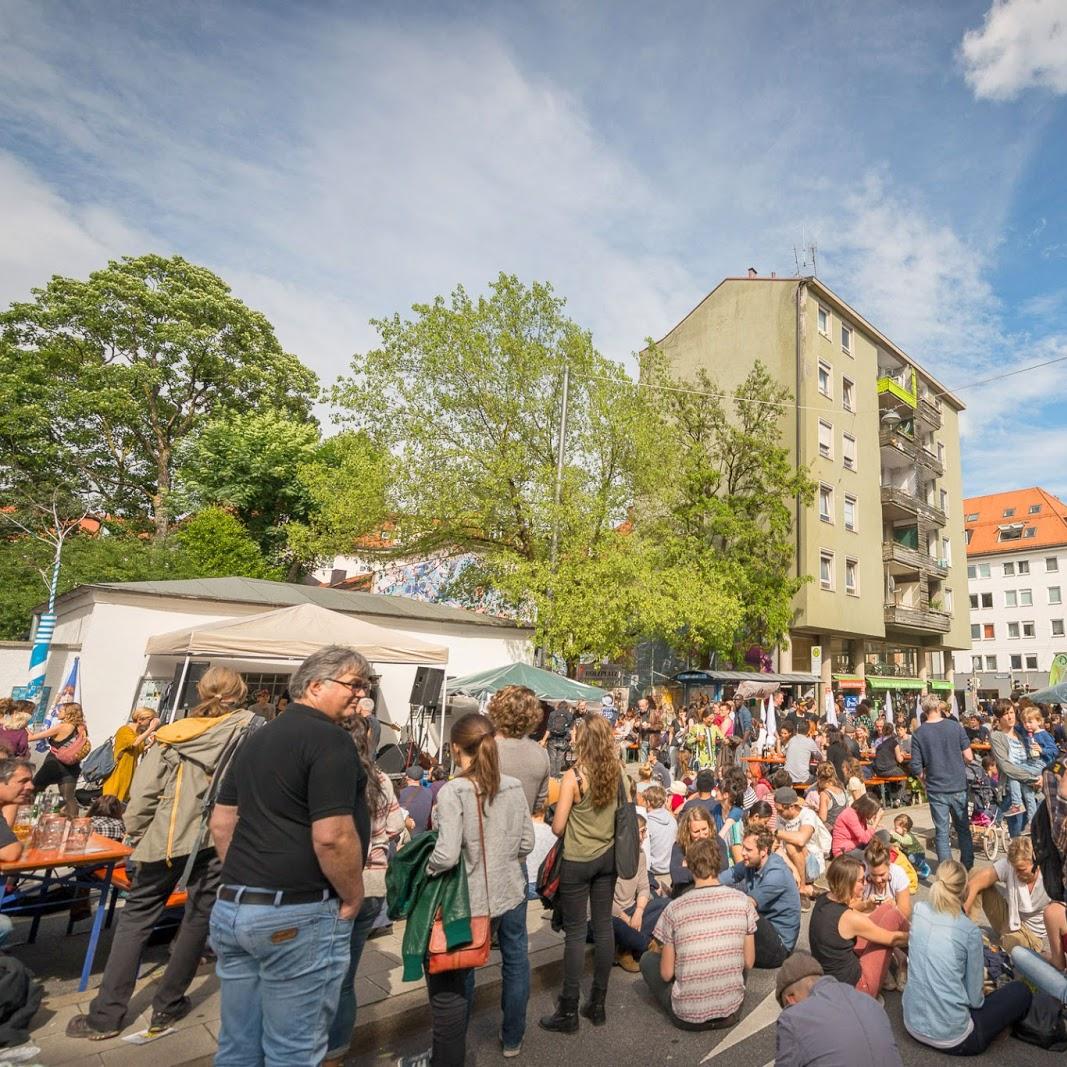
x,y
166,823
558,737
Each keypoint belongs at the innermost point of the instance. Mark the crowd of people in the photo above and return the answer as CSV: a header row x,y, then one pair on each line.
x,y
294,846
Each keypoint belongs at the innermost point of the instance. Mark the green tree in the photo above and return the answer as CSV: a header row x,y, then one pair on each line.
x,y
721,511
466,397
214,544
130,363
251,462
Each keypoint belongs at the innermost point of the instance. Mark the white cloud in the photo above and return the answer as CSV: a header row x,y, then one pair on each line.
x,y
1022,44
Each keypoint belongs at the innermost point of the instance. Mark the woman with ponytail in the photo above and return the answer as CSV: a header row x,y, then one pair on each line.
x,y
585,819
481,801
943,1003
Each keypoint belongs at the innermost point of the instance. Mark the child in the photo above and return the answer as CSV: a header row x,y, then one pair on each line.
x,y
661,829
910,845
544,839
1032,729
106,813
1024,750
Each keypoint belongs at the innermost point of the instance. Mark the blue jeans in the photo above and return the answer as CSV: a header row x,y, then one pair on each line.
x,y
627,939
280,971
344,1022
945,806
1029,965
6,926
515,974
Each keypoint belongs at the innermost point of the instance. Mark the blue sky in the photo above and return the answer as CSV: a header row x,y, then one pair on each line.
x,y
336,162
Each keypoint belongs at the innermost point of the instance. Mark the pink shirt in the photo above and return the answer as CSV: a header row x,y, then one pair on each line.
x,y
849,832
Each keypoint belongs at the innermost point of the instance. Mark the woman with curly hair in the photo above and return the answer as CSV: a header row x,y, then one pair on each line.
x,y
515,711
694,825
65,739
585,819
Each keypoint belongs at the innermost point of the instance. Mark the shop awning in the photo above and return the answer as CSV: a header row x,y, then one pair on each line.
x,y
850,681
939,685
732,677
878,681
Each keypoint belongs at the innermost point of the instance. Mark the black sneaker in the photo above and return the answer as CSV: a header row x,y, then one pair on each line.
x,y
162,1019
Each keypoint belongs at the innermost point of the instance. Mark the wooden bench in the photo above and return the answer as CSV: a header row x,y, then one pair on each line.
x,y
883,782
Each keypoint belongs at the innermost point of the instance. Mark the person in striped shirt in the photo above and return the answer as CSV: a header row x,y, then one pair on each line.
x,y
708,940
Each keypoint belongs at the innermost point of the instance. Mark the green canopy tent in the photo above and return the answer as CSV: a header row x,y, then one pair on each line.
x,y
546,684
1056,694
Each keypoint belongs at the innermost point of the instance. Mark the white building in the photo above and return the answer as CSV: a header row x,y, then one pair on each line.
x,y
1017,579
108,625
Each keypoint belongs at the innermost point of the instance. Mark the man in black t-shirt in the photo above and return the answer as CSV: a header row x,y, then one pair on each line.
x,y
291,827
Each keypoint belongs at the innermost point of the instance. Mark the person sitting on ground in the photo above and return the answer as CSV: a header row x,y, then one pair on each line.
x,y
708,942
1013,896
943,1003
544,839
662,830
704,796
644,778
909,844
852,946
827,799
676,798
802,839
769,881
694,825
733,826
838,1025
661,773
856,826
416,798
885,881
106,812
635,911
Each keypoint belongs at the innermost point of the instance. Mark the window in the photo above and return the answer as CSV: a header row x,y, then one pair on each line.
x,y
1013,631
941,452
1026,598
1031,663
946,551
944,501
976,663
1035,509
967,536
1054,595
973,517
1009,570
846,339
1052,565
826,440
976,632
989,631
1016,663
1028,630
1008,513
983,570
987,600
948,601
848,394
972,571
852,577
1024,567
974,601
1009,533
824,321
1011,599
848,451
826,378
826,569
991,663
850,513
826,503
1030,531
1057,627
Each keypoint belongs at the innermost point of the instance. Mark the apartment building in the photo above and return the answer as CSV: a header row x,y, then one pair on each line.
x,y
1017,572
884,541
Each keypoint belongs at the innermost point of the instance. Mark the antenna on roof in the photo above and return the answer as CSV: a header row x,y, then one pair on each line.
x,y
796,259
807,265
813,248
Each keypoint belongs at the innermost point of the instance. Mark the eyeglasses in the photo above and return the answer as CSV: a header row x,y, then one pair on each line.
x,y
359,685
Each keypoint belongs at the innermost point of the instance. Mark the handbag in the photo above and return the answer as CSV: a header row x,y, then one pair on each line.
x,y
548,875
475,953
70,752
627,838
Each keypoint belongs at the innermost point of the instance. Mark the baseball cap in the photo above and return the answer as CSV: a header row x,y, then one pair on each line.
x,y
799,965
414,772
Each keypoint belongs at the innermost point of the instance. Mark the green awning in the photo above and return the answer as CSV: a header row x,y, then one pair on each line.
x,y
940,685
546,684
878,681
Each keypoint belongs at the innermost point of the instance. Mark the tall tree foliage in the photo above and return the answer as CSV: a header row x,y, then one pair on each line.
x,y
121,368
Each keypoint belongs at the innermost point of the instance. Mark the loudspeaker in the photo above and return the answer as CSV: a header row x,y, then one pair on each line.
x,y
182,701
390,759
426,689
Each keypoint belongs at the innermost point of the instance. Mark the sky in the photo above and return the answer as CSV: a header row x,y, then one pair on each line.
x,y
337,162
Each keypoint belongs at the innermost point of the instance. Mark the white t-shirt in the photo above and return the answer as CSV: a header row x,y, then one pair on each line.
x,y
544,839
898,881
1032,902
819,842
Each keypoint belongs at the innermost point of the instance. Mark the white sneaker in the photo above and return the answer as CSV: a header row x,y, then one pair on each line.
x,y
421,1059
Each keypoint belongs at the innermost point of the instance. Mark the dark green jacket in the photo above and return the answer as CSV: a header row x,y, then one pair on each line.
x,y
414,895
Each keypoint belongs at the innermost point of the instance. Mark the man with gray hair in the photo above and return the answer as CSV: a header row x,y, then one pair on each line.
x,y
291,827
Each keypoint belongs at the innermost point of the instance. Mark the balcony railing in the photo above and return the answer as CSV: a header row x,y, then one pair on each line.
x,y
904,500
894,552
917,618
895,438
929,412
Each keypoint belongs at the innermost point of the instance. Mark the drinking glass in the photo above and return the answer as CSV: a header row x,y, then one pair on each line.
x,y
78,834
50,830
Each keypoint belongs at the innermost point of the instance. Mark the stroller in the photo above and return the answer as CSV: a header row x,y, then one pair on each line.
x,y
988,828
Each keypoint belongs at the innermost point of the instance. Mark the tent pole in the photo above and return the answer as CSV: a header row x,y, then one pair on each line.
x,y
444,711
181,687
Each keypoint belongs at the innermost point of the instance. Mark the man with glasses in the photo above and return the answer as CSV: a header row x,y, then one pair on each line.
x,y
291,827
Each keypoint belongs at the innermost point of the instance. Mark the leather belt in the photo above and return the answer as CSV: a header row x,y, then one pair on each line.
x,y
238,894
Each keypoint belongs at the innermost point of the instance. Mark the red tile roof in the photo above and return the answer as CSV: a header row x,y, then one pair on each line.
x,y
1049,522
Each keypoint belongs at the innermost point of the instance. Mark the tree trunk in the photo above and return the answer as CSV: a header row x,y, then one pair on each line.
x,y
572,668
160,501
295,571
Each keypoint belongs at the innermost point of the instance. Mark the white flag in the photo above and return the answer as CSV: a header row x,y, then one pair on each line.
x,y
772,727
888,705
831,708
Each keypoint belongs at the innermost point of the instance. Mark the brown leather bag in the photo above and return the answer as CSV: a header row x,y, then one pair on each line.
x,y
476,952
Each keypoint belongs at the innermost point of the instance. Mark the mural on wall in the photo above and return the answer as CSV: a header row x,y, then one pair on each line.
x,y
436,580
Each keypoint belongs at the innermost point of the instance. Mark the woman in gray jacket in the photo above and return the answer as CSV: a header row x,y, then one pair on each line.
x,y
509,837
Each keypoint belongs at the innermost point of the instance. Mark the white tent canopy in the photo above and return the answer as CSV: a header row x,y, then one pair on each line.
x,y
294,633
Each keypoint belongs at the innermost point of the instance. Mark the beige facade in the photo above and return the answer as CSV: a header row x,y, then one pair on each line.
x,y
883,541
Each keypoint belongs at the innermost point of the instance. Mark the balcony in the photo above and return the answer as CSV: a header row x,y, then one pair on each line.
x,y
913,559
898,503
928,412
905,445
917,618
898,386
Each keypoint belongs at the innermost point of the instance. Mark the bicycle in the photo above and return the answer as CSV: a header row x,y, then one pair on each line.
x,y
993,837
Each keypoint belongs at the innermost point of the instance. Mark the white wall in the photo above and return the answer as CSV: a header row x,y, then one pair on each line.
x,y
112,635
